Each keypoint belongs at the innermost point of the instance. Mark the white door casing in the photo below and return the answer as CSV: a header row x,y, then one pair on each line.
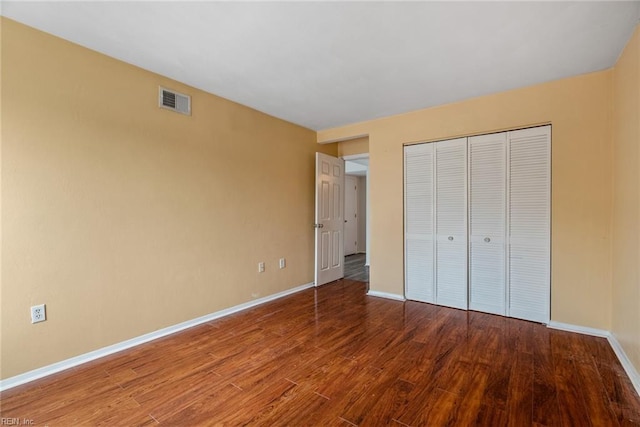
x,y
487,227
329,219
350,215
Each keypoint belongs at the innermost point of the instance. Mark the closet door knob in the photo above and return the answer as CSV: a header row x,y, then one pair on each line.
x,y
450,238
486,239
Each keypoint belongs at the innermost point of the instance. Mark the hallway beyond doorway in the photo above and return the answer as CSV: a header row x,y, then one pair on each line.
x,y
355,268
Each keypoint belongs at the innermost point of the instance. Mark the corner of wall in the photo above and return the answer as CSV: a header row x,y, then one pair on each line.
x,y
625,216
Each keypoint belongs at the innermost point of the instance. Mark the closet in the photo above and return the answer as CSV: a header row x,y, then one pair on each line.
x,y
477,223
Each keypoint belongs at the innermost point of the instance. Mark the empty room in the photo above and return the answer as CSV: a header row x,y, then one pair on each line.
x,y
320,213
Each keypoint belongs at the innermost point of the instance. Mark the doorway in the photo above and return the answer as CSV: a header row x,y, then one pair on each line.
x,y
356,229
332,174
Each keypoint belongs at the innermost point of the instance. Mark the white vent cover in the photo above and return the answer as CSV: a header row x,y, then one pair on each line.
x,y
174,101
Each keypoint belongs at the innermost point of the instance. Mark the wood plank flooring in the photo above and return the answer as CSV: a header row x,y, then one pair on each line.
x,y
335,357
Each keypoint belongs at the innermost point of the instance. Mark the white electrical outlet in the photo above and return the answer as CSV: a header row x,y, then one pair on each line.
x,y
261,267
283,263
38,313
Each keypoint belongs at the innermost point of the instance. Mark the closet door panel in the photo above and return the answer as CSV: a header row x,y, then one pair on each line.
x,y
487,194
529,220
419,223
451,273
451,223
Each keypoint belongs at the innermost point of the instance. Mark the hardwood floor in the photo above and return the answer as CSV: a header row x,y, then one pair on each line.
x,y
334,357
355,269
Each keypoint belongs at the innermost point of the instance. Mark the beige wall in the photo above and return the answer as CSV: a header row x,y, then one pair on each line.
x,y
1,186
626,200
125,218
353,146
579,109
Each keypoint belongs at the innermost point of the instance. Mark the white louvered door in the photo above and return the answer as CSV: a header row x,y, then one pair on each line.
x,y
451,223
478,223
529,219
487,192
419,224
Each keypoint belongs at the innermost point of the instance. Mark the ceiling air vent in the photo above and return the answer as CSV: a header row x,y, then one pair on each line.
x,y
174,101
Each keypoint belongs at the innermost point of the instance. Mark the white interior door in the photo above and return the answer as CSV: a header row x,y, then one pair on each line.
x,y
451,223
529,224
487,205
350,215
329,224
419,251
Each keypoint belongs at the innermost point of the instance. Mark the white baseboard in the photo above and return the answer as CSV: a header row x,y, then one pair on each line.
x,y
579,329
386,295
105,351
631,370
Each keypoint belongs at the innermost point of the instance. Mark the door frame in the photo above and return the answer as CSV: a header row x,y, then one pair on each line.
x,y
368,205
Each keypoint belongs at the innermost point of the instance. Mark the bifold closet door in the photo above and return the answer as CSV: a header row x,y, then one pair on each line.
x,y
487,226
529,220
451,223
419,222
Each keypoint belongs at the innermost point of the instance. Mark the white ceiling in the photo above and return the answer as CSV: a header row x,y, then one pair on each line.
x,y
325,64
358,167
